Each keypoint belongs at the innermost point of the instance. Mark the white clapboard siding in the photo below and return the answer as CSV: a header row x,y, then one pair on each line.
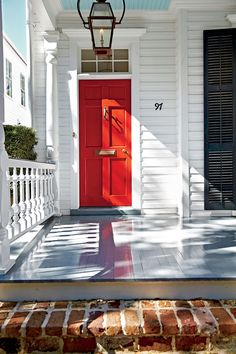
x,y
164,138
158,154
157,145
159,61
159,129
157,86
157,69
162,129
152,52
151,112
159,162
167,197
197,22
150,188
152,95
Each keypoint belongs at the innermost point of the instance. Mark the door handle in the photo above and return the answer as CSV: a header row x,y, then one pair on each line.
x,y
125,151
105,111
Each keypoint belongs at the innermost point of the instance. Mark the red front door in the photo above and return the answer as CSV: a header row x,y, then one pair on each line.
x,y
105,143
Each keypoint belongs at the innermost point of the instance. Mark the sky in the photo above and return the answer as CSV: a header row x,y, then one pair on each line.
x,y
14,23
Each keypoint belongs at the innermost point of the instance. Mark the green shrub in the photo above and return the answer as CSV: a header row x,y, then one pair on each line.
x,y
20,142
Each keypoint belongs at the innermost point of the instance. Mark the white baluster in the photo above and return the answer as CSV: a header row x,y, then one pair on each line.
x,y
56,192
15,205
49,191
27,199
10,228
38,201
51,176
53,183
33,196
41,197
46,191
22,204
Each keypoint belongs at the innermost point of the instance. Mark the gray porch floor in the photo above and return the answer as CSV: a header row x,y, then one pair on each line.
x,y
100,248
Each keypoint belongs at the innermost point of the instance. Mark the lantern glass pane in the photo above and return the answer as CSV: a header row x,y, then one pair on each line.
x,y
101,23
102,37
101,9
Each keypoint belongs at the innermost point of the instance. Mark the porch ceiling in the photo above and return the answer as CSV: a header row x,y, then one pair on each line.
x,y
117,4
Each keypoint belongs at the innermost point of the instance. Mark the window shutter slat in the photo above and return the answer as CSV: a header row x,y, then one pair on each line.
x,y
219,119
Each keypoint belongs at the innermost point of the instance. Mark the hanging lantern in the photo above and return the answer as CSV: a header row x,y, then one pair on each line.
x,y
101,23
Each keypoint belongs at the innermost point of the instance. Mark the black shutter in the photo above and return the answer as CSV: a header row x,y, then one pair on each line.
x,y
219,119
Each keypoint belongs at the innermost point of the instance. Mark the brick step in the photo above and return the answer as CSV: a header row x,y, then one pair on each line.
x,y
118,326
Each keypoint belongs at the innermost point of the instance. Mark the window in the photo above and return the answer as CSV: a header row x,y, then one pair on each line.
x,y
220,119
117,61
22,90
8,78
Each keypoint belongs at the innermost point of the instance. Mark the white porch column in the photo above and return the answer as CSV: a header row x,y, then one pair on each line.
x,y
50,45
28,6
183,117
5,262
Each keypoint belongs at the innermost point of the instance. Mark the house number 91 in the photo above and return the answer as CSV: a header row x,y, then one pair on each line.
x,y
158,106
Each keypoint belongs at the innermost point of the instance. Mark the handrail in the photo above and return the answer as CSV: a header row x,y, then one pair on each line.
x,y
31,164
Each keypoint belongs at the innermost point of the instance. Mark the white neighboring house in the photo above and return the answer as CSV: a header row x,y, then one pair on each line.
x,y
15,85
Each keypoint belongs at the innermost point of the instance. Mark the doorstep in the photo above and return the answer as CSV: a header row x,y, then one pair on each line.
x,y
112,211
118,326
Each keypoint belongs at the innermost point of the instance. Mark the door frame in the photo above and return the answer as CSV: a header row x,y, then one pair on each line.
x,y
107,200
133,44
136,141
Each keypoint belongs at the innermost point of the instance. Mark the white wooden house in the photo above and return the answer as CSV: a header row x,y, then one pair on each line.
x,y
163,44
148,130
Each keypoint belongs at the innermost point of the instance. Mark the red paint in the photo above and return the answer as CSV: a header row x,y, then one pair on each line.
x,y
105,123
112,261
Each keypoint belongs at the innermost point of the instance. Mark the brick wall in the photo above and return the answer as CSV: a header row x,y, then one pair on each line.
x,y
105,326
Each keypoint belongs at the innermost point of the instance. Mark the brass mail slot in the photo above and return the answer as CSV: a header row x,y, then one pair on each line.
x,y
104,152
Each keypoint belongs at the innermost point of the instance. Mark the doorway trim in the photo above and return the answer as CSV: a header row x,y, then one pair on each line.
x,y
133,44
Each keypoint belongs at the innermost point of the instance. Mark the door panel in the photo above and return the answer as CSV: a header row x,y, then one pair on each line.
x,y
93,186
94,92
92,119
118,180
105,143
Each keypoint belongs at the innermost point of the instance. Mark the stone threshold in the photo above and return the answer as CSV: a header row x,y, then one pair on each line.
x,y
118,326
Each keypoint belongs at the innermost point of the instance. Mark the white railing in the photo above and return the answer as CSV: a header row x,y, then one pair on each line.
x,y
31,195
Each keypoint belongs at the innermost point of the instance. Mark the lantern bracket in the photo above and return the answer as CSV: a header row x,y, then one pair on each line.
x,y
86,24
123,13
